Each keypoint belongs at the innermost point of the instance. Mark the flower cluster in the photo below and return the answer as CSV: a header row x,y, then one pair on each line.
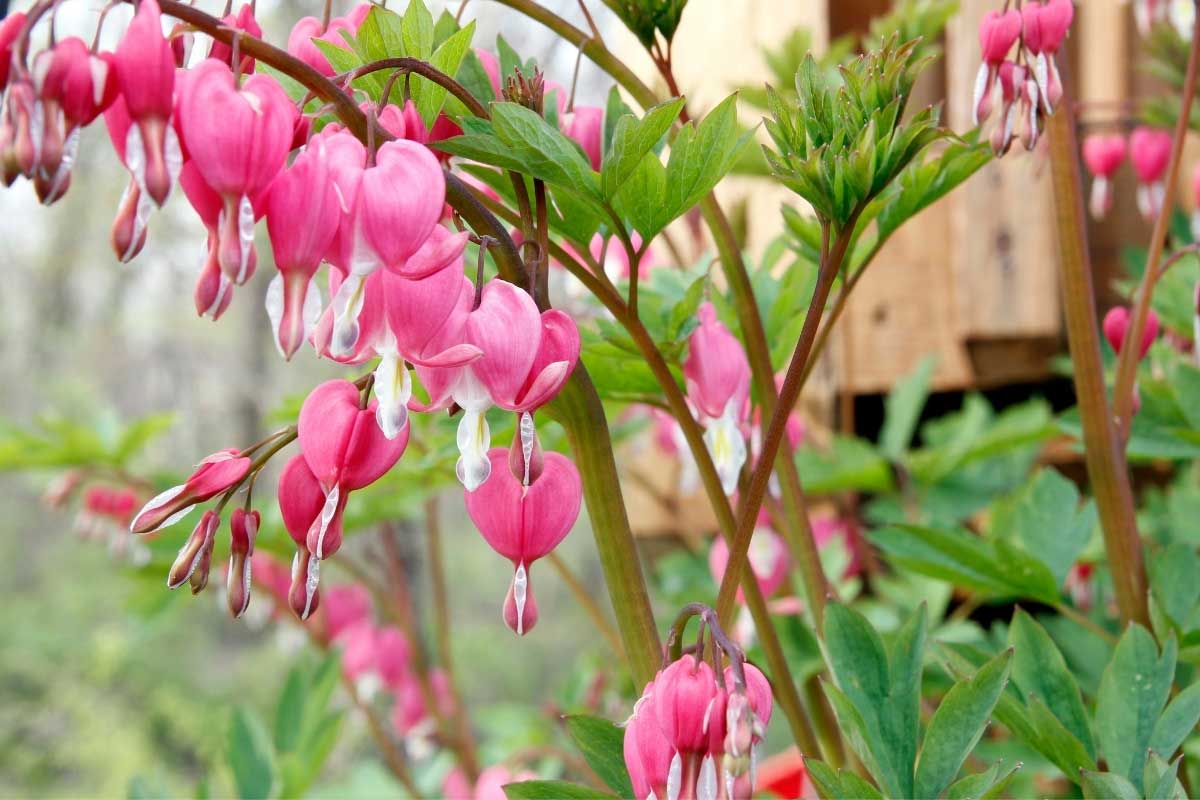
x,y
1149,150
695,730
375,212
1029,83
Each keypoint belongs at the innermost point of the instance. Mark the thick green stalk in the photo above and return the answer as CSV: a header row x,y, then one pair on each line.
x,y
1106,466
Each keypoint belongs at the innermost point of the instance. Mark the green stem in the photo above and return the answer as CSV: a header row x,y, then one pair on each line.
x,y
753,497
1105,457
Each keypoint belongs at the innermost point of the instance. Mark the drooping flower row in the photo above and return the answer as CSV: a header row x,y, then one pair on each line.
x,y
1029,84
243,152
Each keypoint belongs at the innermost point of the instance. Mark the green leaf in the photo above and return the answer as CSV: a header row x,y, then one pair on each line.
x,y
289,714
962,558
685,309
1054,741
641,197
416,30
1047,518
1133,690
1107,786
1178,720
1161,780
614,110
903,409
838,785
545,151
601,744
632,139
1173,582
698,163
552,790
958,724
848,464
983,785
881,700
250,756
1040,670
428,96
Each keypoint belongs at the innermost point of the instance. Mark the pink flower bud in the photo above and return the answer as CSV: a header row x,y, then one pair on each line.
x,y
244,21
243,527
586,126
1116,328
491,782
195,551
145,67
10,28
215,474
524,523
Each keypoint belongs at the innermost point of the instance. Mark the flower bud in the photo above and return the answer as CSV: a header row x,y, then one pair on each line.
x,y
1116,328
128,235
215,474
195,552
243,527
304,597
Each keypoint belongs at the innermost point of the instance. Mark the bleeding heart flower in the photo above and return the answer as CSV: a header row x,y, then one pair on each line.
x,y
1103,155
215,474
768,556
1012,84
243,527
145,67
395,207
245,22
998,32
648,754
302,219
300,41
302,505
524,522
1044,28
10,28
718,383
1116,328
74,86
586,126
345,449
347,606
238,139
1150,151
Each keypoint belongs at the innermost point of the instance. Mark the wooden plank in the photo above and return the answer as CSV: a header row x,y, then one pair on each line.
x,y
1001,239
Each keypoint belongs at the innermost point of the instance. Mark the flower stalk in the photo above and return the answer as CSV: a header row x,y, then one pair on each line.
x,y
1104,453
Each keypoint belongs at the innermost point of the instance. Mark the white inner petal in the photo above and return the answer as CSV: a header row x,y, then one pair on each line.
x,y
347,305
706,789
327,514
520,595
674,778
274,305
393,388
474,438
528,440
